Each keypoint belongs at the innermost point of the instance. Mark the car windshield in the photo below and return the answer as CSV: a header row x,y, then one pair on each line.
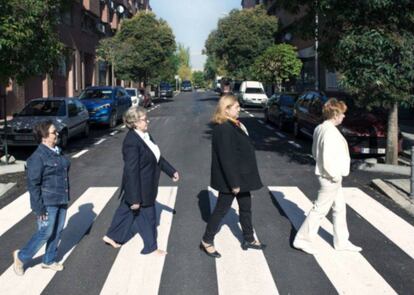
x,y
96,93
131,92
165,86
44,108
186,83
254,90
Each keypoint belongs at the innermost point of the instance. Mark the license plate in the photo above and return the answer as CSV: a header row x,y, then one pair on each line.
x,y
23,137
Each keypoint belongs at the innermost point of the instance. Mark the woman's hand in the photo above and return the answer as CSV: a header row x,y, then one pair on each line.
x,y
176,177
134,207
236,190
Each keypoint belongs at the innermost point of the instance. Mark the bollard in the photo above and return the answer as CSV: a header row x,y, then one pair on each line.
x,y
412,173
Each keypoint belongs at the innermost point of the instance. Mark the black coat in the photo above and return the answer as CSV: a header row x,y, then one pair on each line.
x,y
141,171
233,160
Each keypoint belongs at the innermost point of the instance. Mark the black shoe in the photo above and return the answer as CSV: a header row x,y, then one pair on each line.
x,y
245,245
214,254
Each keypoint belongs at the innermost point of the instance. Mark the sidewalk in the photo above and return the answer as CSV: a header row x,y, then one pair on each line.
x,y
397,189
18,166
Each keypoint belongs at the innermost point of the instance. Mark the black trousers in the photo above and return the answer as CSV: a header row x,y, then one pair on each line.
x,y
126,223
223,205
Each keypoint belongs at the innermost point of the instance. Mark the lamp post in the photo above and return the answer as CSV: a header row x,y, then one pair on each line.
x,y
316,47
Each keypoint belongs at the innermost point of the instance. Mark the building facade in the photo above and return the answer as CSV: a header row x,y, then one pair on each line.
x,y
314,74
81,27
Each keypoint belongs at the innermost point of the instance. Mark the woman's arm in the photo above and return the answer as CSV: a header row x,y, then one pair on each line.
x,y
35,170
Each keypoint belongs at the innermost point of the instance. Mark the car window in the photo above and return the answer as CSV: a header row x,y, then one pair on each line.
x,y
131,92
287,100
119,93
72,109
254,90
79,106
316,106
96,94
44,108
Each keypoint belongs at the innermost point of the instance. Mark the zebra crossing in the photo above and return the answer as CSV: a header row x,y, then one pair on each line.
x,y
237,271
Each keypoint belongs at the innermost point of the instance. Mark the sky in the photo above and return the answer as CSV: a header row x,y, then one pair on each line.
x,y
192,21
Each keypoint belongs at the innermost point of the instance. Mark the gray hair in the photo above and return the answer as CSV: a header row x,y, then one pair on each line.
x,y
132,116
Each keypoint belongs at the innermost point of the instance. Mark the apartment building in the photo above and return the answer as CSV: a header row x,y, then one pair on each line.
x,y
80,29
314,73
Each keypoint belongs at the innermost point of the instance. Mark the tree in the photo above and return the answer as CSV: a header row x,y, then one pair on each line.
x,y
184,66
143,45
240,38
29,44
198,79
106,51
278,64
371,44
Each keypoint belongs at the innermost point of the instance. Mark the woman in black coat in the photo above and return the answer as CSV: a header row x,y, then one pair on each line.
x,y
143,164
234,173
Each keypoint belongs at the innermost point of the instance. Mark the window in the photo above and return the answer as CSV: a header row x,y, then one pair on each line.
x,y
44,108
72,109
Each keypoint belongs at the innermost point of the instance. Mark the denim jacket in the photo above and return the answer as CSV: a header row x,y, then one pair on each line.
x,y
47,179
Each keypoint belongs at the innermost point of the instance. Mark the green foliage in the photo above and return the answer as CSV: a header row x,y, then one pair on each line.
x,y
239,39
278,64
143,47
369,42
198,79
29,44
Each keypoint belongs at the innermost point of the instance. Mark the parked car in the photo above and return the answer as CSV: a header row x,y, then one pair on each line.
x,y
186,86
105,104
279,109
166,90
252,93
68,114
133,93
365,131
145,99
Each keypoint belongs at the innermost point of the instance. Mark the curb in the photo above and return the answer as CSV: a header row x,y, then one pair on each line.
x,y
5,187
385,168
393,194
18,166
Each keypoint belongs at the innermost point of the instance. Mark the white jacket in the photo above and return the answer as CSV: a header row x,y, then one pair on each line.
x,y
330,151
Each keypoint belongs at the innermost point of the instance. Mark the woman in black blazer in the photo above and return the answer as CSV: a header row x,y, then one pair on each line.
x,y
234,173
143,164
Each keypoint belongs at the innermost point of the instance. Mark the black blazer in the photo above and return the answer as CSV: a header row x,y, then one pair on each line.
x,y
141,171
233,160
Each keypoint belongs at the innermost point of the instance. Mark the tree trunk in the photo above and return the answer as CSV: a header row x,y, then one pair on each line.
x,y
391,156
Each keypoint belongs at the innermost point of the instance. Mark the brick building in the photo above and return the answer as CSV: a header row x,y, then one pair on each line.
x,y
80,29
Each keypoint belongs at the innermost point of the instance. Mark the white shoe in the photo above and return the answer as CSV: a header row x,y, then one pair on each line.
x,y
17,264
348,247
305,247
53,266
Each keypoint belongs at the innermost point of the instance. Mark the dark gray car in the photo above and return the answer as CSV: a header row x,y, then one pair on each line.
x,y
69,115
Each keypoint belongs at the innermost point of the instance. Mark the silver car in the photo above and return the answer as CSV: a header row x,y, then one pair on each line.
x,y
69,115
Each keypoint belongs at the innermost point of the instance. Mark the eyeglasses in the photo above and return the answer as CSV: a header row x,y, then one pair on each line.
x,y
144,120
54,132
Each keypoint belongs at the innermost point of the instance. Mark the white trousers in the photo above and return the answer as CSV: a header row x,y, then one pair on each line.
x,y
330,195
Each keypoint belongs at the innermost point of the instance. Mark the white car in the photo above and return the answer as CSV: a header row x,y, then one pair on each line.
x,y
133,93
252,93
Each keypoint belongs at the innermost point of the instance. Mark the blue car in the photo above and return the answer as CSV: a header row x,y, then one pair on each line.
x,y
105,104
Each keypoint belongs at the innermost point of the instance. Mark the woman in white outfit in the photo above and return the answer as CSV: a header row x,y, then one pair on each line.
x,y
330,150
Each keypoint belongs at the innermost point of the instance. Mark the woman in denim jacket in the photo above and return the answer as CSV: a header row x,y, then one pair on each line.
x,y
48,185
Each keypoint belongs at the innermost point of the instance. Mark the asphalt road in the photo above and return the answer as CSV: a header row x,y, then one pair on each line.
x,y
181,129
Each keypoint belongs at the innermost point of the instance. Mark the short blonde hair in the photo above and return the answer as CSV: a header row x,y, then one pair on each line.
x,y
132,116
225,102
332,108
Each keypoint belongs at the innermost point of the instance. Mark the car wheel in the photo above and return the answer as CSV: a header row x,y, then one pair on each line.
x,y
86,130
63,140
113,120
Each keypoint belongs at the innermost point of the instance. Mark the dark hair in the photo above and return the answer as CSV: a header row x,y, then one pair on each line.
x,y
41,130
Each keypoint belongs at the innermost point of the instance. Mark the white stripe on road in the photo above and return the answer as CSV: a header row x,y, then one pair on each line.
x,y
79,154
80,217
14,212
114,132
349,272
238,271
251,115
294,144
100,141
134,273
123,126
281,135
400,232
269,127
242,109
260,121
